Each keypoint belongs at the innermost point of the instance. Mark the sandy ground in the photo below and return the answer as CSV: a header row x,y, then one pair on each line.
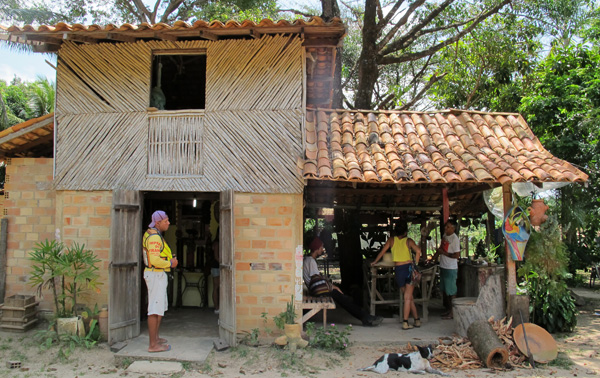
x,y
578,357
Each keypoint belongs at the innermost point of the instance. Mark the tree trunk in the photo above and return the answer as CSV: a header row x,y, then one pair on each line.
x,y
368,71
487,345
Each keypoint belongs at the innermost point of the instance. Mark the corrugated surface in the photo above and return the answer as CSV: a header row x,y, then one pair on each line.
x,y
30,138
444,147
178,25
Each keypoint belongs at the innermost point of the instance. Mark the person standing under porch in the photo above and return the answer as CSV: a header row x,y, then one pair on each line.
x,y
158,260
401,246
448,253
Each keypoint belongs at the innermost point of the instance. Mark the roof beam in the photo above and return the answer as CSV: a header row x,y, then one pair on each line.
x,y
120,37
165,37
29,145
208,35
45,48
80,38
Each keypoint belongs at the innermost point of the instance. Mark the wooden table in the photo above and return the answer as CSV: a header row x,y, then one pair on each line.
x,y
389,293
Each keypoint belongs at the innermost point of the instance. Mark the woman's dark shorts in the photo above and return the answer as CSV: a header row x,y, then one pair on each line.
x,y
403,273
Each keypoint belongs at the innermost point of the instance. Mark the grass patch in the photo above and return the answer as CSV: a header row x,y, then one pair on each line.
x,y
561,361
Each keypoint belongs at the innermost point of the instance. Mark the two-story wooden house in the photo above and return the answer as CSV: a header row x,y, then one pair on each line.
x,y
230,123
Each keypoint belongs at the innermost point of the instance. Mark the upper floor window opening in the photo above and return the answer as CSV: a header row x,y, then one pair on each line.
x,y
178,79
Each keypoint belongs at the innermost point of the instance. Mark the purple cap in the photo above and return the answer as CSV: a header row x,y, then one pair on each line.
x,y
157,216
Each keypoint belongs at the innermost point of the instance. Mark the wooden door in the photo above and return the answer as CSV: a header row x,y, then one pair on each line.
x,y
227,319
124,266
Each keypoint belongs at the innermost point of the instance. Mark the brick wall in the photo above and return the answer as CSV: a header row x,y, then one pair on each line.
x,y
268,240
29,204
85,218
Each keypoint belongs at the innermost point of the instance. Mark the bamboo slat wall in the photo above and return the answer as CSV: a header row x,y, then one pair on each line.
x,y
175,145
249,132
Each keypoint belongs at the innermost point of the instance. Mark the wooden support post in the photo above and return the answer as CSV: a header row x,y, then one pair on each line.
x,y
511,272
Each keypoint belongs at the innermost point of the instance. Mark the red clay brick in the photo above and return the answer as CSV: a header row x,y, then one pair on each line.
x,y
259,243
242,222
267,232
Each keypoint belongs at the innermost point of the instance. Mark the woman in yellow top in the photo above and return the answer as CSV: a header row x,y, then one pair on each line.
x,y
401,246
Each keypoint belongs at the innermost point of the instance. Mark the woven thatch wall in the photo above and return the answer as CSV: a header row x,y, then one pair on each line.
x,y
250,128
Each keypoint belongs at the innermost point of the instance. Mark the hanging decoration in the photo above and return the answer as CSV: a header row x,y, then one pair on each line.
x,y
537,212
516,230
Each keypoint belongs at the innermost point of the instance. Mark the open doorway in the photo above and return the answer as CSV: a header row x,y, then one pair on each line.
x,y
194,228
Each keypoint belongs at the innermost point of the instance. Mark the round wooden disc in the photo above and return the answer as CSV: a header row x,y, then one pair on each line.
x,y
542,345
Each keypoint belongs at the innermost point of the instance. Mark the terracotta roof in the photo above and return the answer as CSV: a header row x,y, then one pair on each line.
x,y
443,147
34,137
329,32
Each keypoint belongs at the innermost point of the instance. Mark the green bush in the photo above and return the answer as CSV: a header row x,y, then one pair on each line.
x,y
550,304
544,272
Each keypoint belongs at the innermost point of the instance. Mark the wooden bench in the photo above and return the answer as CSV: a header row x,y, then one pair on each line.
x,y
316,304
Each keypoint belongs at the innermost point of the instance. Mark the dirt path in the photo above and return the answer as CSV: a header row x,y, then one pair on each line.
x,y
578,357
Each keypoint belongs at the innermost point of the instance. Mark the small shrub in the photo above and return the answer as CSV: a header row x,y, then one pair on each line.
x,y
330,338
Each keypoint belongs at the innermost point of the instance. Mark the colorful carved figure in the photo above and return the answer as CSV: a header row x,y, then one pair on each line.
x,y
537,212
516,230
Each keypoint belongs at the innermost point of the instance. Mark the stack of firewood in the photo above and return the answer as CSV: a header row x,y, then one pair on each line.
x,y
458,353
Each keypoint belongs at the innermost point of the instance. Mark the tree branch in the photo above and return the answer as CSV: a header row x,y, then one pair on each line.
x,y
400,23
379,10
354,67
413,33
143,13
356,13
295,11
384,20
172,7
432,81
385,101
433,49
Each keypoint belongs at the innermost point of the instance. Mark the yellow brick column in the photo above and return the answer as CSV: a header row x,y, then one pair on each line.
x,y
268,233
29,206
84,217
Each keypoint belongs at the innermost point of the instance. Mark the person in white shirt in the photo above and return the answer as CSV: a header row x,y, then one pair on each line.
x,y
448,253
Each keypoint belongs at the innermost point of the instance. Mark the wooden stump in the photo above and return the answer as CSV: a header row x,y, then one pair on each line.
x,y
487,345
489,303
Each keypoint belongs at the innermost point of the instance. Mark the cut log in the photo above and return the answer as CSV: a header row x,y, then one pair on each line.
x,y
487,345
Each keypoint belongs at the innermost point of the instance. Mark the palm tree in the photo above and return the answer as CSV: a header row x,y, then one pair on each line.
x,y
42,97
3,114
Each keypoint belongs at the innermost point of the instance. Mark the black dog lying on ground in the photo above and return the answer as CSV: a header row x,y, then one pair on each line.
x,y
415,362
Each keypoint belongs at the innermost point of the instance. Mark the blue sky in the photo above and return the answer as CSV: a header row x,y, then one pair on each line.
x,y
25,65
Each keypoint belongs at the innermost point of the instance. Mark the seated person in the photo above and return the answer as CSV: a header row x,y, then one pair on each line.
x,y
319,286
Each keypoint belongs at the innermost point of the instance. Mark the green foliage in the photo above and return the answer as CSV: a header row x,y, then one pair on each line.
x,y
286,317
564,112
550,303
251,338
67,272
21,101
330,338
240,10
544,272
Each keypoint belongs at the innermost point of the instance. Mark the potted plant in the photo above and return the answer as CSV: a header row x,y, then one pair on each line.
x,y
68,272
286,321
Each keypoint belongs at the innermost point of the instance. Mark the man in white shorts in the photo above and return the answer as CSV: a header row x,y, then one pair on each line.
x,y
158,259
